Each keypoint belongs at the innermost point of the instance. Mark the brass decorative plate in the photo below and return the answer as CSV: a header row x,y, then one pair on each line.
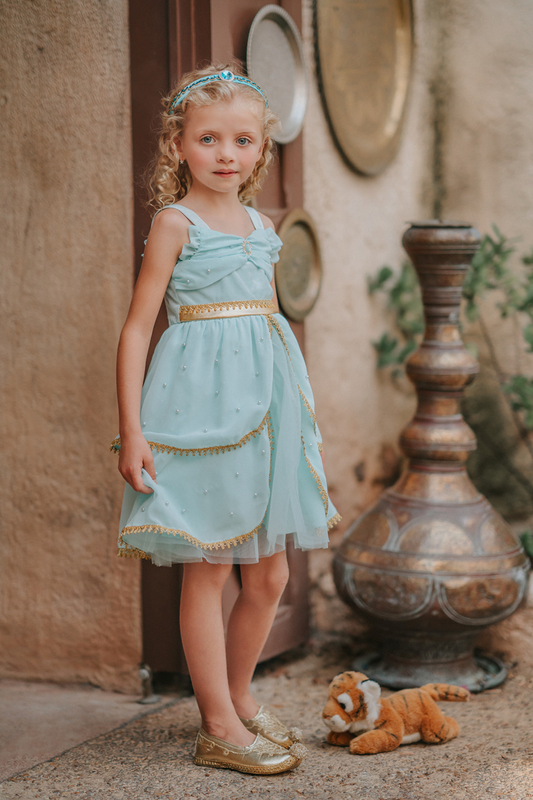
x,y
299,270
364,53
275,60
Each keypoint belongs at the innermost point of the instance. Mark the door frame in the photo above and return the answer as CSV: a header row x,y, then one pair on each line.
x,y
168,38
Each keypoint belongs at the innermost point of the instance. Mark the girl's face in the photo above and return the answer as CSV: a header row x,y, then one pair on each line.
x,y
221,144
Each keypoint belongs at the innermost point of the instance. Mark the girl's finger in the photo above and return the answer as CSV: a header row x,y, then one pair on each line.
x,y
149,466
133,476
136,482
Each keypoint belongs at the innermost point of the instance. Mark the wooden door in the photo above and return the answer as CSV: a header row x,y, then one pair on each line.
x,y
167,38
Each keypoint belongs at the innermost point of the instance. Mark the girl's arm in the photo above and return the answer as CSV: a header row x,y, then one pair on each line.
x,y
165,242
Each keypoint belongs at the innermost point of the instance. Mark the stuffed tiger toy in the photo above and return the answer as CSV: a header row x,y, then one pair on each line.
x,y
359,719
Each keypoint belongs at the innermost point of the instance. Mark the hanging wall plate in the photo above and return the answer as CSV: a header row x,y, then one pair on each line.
x,y
275,60
299,269
364,53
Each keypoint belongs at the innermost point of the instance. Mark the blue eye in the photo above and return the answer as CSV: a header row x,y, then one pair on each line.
x,y
243,140
205,138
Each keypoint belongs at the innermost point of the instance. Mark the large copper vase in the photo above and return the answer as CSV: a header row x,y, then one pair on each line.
x,y
432,563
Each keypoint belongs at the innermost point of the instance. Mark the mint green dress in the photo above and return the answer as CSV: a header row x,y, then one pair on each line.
x,y
228,412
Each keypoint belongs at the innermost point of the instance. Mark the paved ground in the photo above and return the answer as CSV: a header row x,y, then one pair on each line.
x,y
40,720
150,757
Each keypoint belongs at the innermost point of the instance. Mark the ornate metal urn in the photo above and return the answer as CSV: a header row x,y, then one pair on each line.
x,y
432,563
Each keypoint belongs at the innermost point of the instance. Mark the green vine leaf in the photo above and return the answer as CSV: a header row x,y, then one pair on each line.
x,y
387,350
526,540
405,301
489,271
377,283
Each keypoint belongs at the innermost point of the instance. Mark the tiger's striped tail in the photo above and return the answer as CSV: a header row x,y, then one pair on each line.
x,y
448,692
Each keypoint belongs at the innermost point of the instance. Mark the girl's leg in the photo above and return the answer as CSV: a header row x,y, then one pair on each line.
x,y
202,634
250,623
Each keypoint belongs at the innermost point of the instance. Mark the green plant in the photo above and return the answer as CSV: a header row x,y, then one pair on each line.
x,y
405,302
489,270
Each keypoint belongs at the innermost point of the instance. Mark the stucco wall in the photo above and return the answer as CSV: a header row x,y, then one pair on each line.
x,y
487,146
69,609
466,153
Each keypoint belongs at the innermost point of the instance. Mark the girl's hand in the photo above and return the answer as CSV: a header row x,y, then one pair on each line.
x,y
135,454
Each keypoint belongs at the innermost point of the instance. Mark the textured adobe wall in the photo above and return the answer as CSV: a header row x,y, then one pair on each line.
x,y
487,148
466,154
69,609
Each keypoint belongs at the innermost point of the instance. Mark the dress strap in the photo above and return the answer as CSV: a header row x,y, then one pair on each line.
x,y
257,222
192,216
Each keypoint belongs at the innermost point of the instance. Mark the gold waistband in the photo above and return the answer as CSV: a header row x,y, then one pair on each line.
x,y
234,308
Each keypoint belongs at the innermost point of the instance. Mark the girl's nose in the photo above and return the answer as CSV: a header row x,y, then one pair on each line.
x,y
225,155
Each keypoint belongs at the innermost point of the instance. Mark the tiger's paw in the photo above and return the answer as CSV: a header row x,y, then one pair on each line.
x,y
341,739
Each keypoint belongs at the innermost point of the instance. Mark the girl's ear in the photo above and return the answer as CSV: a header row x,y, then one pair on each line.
x,y
176,146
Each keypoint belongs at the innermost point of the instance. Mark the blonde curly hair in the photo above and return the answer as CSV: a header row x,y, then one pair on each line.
x,y
169,180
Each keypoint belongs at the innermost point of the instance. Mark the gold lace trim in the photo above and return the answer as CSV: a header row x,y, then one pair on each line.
x,y
305,401
200,451
334,521
308,407
314,473
225,543
271,440
226,309
126,550
320,447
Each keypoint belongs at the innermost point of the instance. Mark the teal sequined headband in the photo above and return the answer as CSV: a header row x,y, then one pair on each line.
x,y
226,75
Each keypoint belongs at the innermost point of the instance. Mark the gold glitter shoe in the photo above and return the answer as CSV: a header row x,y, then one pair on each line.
x,y
259,758
269,726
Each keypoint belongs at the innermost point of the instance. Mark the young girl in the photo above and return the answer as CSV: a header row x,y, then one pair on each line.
x,y
220,447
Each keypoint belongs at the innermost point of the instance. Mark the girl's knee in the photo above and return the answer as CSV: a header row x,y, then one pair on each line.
x,y
268,584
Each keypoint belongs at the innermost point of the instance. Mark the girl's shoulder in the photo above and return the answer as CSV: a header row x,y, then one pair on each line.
x,y
170,223
170,218
267,222
270,231
273,241
169,232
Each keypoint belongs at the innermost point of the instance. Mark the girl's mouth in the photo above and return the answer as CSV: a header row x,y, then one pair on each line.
x,y
226,172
